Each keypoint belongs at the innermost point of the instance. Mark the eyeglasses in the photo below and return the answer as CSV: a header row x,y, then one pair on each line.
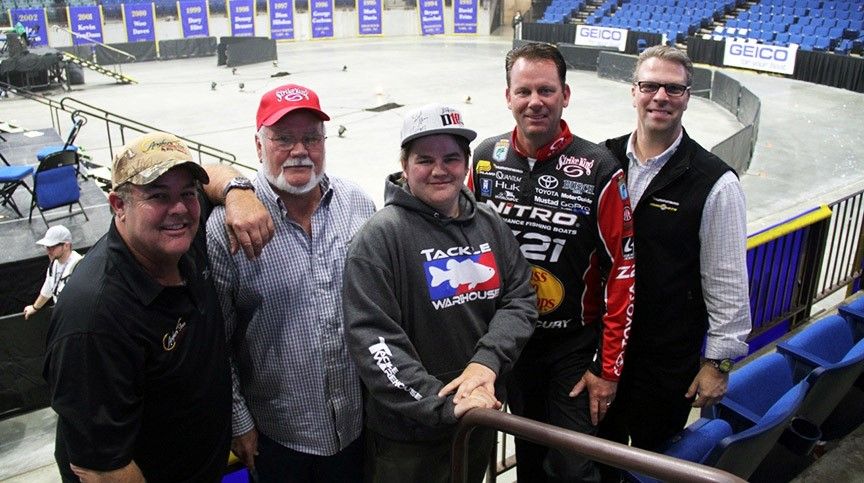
x,y
287,143
674,90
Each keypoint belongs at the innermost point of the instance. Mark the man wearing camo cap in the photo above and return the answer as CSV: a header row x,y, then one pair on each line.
x,y
136,358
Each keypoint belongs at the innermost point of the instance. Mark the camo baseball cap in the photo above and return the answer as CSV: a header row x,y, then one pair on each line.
x,y
148,157
434,119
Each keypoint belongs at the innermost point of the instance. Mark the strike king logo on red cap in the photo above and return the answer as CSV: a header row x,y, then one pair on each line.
x,y
294,94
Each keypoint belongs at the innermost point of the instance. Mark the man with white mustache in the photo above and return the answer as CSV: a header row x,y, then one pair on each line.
x,y
297,412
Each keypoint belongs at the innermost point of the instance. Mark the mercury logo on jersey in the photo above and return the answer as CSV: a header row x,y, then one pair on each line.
x,y
462,275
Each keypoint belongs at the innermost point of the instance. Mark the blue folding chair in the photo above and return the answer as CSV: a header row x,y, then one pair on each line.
x,y
55,184
77,122
11,177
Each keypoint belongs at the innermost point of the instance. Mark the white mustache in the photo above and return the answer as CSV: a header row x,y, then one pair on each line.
x,y
293,163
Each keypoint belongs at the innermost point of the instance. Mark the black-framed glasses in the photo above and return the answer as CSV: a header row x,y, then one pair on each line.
x,y
674,90
286,143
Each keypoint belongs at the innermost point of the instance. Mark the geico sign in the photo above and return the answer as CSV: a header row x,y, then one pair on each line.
x,y
763,52
595,33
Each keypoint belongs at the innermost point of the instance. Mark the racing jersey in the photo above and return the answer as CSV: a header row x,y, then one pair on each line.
x,y
571,214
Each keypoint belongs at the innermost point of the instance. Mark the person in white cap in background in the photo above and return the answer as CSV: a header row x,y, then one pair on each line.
x,y
438,305
62,261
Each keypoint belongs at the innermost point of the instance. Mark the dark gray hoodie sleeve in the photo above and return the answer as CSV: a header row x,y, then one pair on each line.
x,y
386,358
516,315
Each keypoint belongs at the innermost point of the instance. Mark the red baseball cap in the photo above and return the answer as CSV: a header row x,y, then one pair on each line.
x,y
284,99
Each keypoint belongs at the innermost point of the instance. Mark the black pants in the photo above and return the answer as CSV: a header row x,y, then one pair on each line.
x,y
539,389
277,464
390,461
649,408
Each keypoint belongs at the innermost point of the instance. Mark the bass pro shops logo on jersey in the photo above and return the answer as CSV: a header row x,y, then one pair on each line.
x,y
460,275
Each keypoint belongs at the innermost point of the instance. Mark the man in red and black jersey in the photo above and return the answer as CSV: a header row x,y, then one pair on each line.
x,y
566,201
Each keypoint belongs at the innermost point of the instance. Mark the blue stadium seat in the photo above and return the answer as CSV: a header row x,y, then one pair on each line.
x,y
796,29
782,38
741,430
822,44
831,355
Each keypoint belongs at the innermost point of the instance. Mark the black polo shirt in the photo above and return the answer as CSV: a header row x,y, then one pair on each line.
x,y
138,371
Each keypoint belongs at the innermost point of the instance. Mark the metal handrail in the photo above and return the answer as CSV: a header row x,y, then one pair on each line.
x,y
621,456
58,28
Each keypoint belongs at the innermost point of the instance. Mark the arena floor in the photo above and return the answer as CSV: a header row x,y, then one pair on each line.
x,y
809,148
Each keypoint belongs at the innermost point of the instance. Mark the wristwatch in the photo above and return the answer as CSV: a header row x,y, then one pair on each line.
x,y
722,365
240,182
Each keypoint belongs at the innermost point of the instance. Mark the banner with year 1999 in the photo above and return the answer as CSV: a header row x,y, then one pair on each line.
x,y
431,17
194,18
86,22
369,17
281,13
33,19
138,18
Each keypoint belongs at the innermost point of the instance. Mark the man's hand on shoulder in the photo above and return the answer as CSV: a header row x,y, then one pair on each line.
x,y
601,393
247,222
708,386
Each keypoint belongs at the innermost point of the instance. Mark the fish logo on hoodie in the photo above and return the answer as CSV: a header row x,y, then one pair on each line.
x,y
458,279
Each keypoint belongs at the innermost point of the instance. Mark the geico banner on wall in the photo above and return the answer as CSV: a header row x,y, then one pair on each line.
x,y
769,58
601,36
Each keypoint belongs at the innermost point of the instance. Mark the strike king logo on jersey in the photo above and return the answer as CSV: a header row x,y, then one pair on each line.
x,y
574,167
460,275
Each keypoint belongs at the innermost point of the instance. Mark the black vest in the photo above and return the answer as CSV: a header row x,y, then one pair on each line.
x,y
670,316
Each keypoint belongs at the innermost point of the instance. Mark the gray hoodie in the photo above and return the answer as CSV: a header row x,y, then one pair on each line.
x,y
423,296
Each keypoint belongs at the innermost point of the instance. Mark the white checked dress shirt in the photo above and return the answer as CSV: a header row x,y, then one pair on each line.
x,y
292,376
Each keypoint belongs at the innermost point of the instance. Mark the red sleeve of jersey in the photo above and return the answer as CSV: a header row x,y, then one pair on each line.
x,y
615,225
469,181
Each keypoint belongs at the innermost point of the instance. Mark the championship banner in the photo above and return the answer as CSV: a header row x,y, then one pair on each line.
x,y
194,18
241,14
369,16
596,36
86,21
322,18
138,19
281,14
768,58
465,16
431,17
33,19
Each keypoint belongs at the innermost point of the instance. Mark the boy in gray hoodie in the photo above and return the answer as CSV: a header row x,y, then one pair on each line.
x,y
438,305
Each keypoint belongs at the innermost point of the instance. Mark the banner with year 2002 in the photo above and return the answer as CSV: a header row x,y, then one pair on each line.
x,y
241,14
138,18
194,18
431,17
86,22
33,20
368,17
281,14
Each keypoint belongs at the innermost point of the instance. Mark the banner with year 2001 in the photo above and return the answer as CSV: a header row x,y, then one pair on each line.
x,y
194,18
431,17
369,17
33,20
86,22
138,18
281,14
241,14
